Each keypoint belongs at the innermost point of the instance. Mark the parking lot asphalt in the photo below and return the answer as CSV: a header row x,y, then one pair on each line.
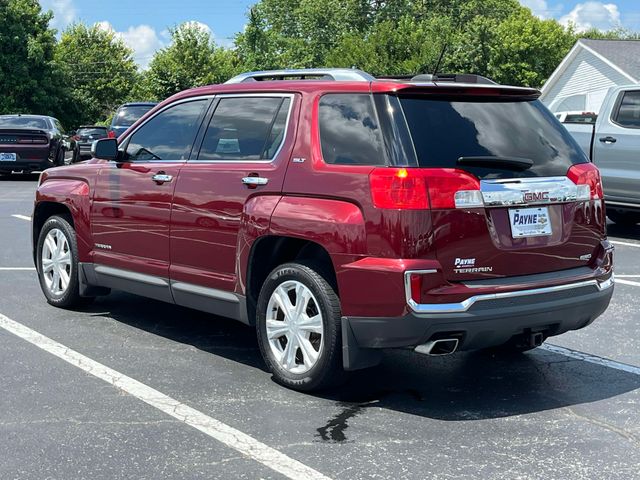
x,y
553,413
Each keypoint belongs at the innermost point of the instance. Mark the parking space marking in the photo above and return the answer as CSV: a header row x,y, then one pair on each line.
x,y
626,244
587,357
22,217
229,436
17,269
627,282
627,276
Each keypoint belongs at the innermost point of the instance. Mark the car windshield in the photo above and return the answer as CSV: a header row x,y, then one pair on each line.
x,y
128,115
445,130
24,122
85,132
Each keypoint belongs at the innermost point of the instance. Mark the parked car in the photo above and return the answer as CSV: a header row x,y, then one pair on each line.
x,y
339,217
613,144
31,143
127,115
86,135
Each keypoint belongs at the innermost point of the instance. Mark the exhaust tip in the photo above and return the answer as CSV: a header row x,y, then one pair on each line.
x,y
443,346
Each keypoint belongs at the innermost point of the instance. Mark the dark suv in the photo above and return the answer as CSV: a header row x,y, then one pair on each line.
x,y
340,214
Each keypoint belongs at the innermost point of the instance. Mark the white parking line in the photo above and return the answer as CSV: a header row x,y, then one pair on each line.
x,y
626,244
627,282
222,432
587,357
17,269
22,217
627,276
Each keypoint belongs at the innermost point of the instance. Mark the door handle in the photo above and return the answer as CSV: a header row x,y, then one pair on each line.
x,y
253,182
161,178
608,140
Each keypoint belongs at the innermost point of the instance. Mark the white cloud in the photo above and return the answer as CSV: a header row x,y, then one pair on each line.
x,y
142,39
64,12
603,16
199,25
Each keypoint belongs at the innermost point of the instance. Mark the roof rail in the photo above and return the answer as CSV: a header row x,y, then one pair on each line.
x,y
442,77
334,74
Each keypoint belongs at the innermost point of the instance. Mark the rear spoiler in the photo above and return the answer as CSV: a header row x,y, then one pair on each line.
x,y
469,90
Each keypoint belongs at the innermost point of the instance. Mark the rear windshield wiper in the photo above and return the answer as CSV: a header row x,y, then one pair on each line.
x,y
514,163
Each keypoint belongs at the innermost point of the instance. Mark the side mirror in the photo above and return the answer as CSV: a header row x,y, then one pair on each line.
x,y
105,149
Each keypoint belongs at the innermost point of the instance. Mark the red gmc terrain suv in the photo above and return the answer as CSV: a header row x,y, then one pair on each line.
x,y
340,214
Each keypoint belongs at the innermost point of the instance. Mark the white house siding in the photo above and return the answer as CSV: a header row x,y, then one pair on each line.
x,y
587,76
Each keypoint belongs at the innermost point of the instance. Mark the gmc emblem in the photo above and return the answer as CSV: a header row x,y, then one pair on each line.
x,y
536,196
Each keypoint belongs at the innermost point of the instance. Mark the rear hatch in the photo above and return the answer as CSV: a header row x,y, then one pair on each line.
x,y
511,193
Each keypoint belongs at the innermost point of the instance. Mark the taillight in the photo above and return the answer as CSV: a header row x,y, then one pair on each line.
x,y
453,188
30,141
422,188
587,177
111,134
401,188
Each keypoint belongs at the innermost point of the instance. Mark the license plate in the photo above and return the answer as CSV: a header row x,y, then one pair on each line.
x,y
8,157
530,222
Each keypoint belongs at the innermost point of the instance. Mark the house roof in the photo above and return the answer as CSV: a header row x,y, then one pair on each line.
x,y
621,55
625,54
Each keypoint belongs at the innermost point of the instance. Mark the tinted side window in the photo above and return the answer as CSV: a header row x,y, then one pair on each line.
x,y
243,128
629,112
349,130
169,135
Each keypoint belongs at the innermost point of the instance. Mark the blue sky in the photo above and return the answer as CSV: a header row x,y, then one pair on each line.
x,y
143,24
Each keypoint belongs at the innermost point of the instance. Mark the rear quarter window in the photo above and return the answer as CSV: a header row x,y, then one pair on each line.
x,y
349,130
445,129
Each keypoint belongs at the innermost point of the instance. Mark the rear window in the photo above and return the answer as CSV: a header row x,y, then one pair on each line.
x,y
92,131
349,130
629,111
589,118
444,130
24,122
127,116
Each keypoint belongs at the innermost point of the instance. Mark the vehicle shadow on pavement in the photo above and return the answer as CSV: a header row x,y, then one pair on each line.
x,y
459,387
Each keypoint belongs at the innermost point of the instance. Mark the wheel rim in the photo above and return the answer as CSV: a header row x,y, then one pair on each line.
x,y
294,327
56,262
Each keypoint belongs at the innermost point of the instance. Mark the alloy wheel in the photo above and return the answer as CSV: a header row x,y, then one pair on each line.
x,y
56,262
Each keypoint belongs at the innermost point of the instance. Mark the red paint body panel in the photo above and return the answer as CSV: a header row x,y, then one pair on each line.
x,y
130,216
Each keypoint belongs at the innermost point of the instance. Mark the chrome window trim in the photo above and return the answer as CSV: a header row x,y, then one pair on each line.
x,y
290,96
126,139
429,308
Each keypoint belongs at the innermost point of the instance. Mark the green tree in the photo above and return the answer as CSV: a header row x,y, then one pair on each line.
x,y
192,59
528,50
29,79
99,68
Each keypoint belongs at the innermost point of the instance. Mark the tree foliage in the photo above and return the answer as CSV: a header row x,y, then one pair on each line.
x,y
191,60
85,74
29,79
99,69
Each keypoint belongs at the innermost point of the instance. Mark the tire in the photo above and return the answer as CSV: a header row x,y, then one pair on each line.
x,y
57,231
300,370
60,157
624,218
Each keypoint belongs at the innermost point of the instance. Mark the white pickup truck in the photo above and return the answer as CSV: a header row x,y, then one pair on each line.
x,y
613,144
